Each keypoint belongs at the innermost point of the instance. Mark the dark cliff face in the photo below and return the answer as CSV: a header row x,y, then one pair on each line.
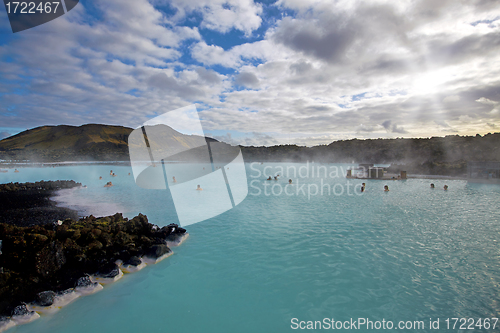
x,y
55,257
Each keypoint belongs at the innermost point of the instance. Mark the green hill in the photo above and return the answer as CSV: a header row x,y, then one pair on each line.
x,y
67,143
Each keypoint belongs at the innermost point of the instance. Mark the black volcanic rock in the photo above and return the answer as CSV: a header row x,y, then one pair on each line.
x,y
45,298
42,260
157,251
28,204
84,282
21,310
133,261
109,270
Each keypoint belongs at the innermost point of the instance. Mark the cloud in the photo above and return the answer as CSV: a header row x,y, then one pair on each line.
x,y
398,129
484,100
324,40
491,125
248,139
227,138
487,101
262,139
209,76
213,54
222,15
238,55
441,123
451,99
387,124
247,79
321,68
364,128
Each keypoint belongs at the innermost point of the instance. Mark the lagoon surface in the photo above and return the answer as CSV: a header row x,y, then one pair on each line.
x,y
410,254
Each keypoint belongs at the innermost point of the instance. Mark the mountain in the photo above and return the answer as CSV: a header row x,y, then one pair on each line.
x,y
67,143
92,142
436,155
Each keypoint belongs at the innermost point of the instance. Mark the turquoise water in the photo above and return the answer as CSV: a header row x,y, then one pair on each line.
x,y
409,254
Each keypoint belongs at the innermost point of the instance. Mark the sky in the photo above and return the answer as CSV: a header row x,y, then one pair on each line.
x,y
303,72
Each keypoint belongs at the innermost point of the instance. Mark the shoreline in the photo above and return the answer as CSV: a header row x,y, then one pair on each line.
x,y
27,204
18,164
134,245
47,261
11,165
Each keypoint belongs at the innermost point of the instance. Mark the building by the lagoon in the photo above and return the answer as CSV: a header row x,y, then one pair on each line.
x,y
483,172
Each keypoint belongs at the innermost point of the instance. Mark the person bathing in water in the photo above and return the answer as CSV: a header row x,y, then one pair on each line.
x,y
445,187
269,178
386,188
432,185
199,188
289,181
174,180
108,184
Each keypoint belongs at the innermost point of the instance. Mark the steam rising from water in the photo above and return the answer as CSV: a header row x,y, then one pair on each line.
x,y
70,198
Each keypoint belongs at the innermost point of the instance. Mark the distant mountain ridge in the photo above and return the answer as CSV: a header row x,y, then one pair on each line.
x,y
437,155
91,142
94,142
67,143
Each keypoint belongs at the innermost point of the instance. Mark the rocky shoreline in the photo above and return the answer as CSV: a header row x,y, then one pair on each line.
x,y
46,266
27,204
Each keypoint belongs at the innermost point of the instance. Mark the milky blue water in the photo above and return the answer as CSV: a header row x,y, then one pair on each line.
x,y
408,254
